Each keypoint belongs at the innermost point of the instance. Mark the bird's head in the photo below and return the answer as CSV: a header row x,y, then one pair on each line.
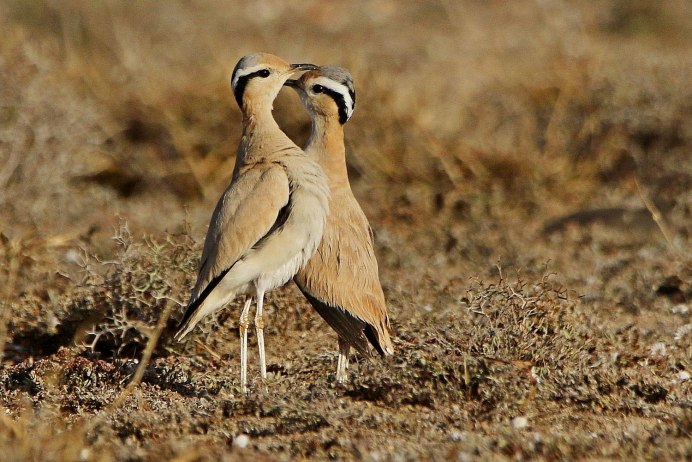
x,y
327,92
260,76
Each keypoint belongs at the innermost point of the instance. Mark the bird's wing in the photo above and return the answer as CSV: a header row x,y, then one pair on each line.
x,y
247,212
341,281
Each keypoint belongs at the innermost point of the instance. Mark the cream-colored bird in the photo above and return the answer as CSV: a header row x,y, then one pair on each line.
x,y
270,220
341,280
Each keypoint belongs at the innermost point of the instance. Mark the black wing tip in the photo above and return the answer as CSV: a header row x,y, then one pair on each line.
x,y
193,305
180,330
332,314
371,335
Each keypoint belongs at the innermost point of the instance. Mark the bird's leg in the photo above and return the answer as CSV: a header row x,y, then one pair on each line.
x,y
259,327
244,324
342,364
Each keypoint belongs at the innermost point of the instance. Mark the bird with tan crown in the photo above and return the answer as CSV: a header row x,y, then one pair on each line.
x,y
270,219
341,280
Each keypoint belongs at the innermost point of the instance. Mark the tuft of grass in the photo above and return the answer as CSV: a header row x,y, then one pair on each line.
x,y
125,301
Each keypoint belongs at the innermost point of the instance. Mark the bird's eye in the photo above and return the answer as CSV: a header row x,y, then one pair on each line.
x,y
318,88
264,73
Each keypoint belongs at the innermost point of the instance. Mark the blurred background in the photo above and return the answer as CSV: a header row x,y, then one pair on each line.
x,y
485,112
549,138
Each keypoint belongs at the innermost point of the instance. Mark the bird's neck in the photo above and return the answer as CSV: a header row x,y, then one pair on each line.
x,y
258,118
261,134
326,146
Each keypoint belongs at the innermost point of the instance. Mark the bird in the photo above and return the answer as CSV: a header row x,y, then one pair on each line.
x,y
270,219
341,280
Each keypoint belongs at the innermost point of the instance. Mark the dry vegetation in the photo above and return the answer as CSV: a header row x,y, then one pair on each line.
x,y
526,167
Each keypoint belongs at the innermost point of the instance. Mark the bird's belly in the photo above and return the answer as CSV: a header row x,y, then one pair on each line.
x,y
246,289
272,279
227,290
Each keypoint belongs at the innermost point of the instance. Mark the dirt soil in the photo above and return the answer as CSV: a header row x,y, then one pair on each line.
x,y
526,169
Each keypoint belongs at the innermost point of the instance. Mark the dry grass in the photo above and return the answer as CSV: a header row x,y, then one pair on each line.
x,y
526,169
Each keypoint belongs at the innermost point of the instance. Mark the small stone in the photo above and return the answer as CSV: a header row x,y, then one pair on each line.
x,y
683,376
241,441
658,349
680,309
682,331
520,422
465,457
456,436
74,256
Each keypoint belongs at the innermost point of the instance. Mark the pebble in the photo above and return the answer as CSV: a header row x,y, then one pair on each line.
x,y
456,436
241,441
465,457
520,422
658,349
680,309
682,331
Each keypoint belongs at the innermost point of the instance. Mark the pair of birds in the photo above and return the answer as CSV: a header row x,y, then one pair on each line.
x,y
290,213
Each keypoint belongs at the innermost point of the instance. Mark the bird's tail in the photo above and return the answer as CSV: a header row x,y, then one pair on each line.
x,y
386,341
206,304
379,338
188,323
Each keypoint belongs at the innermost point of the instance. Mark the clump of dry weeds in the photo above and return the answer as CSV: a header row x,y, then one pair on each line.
x,y
504,338
126,301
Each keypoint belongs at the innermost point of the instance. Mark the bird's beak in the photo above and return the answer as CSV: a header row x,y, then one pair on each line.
x,y
304,67
293,83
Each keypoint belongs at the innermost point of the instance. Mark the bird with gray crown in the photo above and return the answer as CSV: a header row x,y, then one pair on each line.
x,y
270,220
341,279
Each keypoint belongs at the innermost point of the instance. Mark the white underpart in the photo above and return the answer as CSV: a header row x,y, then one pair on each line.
x,y
339,88
251,272
243,72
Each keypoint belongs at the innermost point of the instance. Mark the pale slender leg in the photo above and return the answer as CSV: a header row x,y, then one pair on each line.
x,y
259,327
244,324
342,364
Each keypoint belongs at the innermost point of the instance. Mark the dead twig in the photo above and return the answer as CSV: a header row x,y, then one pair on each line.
x,y
13,255
207,349
656,215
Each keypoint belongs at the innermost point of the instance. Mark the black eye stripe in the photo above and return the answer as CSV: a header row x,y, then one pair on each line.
x,y
242,82
340,103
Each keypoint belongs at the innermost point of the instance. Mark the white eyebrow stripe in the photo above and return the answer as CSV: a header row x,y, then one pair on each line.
x,y
340,88
244,72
